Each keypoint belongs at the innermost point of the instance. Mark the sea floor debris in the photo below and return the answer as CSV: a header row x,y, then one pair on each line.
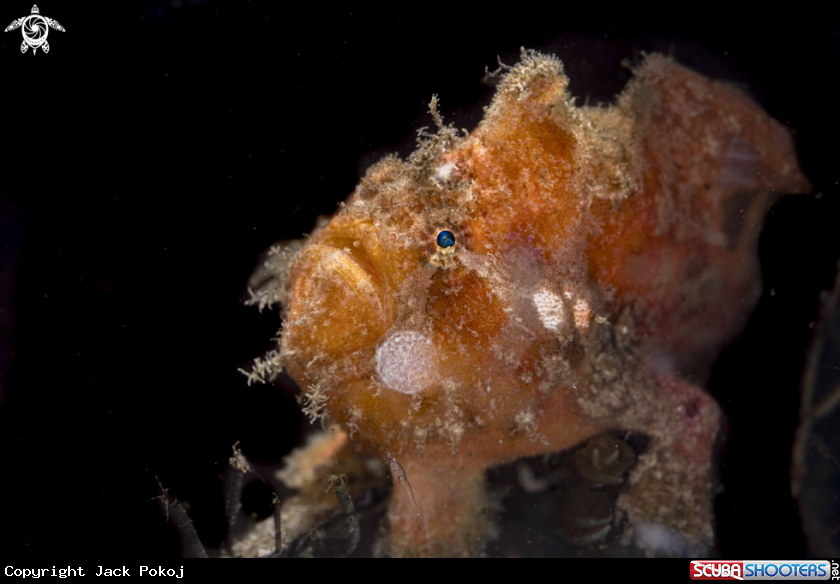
x,y
554,505
816,454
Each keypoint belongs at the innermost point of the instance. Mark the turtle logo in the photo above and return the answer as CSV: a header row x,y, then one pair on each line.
x,y
35,29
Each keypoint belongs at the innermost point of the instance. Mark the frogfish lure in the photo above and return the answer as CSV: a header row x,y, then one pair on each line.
x,y
533,284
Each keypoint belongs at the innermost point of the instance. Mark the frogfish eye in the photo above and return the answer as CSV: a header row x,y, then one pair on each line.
x,y
445,239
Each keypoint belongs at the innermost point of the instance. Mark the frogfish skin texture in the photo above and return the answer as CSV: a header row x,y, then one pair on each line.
x,y
591,255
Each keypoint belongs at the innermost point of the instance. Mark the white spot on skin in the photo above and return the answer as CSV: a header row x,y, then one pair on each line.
x,y
526,421
583,314
407,362
444,173
550,308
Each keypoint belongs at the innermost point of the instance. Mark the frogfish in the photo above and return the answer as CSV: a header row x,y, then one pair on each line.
x,y
557,273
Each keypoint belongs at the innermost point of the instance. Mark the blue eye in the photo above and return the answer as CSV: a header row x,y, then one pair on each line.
x,y
445,239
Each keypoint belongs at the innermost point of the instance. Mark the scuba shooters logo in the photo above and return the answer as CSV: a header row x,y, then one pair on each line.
x,y
763,570
35,29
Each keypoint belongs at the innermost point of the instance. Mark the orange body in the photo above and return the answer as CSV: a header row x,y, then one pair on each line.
x,y
597,251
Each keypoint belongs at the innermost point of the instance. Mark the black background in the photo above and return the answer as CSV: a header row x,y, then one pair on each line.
x,y
159,147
